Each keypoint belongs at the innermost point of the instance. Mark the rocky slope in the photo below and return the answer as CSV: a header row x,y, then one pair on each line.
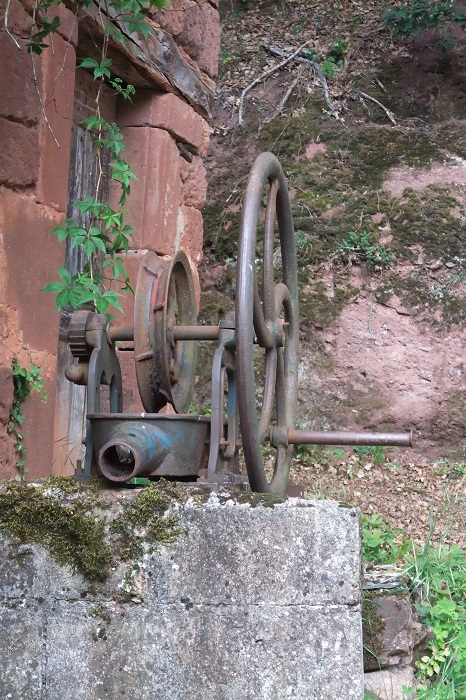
x,y
377,174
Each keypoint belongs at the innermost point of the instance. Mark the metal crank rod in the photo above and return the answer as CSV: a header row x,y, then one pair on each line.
x,y
178,332
285,437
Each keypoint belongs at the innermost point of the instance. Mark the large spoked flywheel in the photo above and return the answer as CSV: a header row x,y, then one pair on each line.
x,y
267,311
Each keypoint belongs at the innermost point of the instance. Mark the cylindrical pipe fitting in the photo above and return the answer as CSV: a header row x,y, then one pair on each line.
x,y
133,451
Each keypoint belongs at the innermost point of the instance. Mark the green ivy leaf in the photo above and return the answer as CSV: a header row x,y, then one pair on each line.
x,y
53,287
65,276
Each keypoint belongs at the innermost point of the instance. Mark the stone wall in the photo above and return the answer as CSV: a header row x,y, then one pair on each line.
x,y
36,116
252,602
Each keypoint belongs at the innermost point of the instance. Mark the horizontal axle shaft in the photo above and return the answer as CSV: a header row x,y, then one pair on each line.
x,y
339,437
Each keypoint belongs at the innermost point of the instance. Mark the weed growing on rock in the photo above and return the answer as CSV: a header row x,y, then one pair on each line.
x,y
360,246
145,523
67,529
382,544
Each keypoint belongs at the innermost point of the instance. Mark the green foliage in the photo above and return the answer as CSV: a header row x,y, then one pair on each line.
x,y
333,61
131,12
376,453
439,576
382,544
412,18
25,381
107,235
359,245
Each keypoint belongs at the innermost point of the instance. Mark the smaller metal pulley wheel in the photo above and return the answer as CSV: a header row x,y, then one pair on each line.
x,y
268,310
165,367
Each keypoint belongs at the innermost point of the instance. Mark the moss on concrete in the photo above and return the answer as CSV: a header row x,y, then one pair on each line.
x,y
144,522
62,523
68,519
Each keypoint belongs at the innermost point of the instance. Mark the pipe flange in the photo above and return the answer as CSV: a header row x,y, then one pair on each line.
x,y
77,334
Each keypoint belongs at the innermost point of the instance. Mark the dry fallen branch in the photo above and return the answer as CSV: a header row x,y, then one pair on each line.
x,y
285,98
277,51
389,114
265,75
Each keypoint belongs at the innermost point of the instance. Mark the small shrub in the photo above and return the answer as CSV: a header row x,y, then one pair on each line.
x,y
412,18
382,544
360,246
439,576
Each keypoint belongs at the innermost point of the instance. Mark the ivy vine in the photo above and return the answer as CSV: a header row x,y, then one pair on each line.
x,y
25,381
107,235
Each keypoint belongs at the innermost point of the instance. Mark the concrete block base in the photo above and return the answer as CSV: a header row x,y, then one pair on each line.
x,y
250,603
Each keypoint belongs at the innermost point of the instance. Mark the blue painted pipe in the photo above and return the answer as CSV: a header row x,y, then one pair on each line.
x,y
134,450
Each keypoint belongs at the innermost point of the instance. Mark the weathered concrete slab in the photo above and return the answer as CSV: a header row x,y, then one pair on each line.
x,y
248,603
21,653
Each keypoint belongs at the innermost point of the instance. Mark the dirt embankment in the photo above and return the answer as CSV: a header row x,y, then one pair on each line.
x,y
382,344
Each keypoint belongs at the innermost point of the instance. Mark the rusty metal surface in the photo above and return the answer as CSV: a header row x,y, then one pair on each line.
x,y
124,333
340,437
195,333
123,446
165,367
262,317
224,439
97,366
129,445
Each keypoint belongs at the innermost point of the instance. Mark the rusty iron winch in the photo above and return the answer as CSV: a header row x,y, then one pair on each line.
x,y
182,446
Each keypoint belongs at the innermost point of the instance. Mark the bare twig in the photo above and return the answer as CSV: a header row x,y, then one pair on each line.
x,y
389,114
381,85
36,83
285,98
7,9
42,106
265,75
277,51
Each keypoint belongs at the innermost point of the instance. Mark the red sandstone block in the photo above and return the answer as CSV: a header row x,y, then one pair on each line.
x,y
19,21
171,19
58,68
32,259
200,37
196,29
6,393
194,188
155,196
192,236
166,111
7,456
68,28
19,148
20,100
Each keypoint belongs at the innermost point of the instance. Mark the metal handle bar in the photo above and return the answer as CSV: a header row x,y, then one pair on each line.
x,y
310,437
